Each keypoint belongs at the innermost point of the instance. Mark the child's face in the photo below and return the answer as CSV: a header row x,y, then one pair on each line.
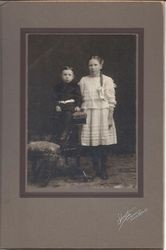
x,y
67,75
94,67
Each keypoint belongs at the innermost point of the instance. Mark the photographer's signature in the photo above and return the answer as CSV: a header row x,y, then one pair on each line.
x,y
129,216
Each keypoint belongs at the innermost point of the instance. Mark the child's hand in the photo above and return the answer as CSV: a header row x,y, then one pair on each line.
x,y
110,118
110,123
109,126
77,109
58,109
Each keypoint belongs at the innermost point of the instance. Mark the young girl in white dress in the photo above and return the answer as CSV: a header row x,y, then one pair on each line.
x,y
98,93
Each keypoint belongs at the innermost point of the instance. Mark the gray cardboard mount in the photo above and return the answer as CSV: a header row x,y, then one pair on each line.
x,y
81,222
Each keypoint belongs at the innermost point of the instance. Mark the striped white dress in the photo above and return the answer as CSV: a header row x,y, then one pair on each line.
x,y
97,103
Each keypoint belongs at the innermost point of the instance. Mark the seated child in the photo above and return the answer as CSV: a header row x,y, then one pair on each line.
x,y
67,99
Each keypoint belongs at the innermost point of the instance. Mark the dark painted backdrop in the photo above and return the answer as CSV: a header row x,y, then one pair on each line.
x,y
48,53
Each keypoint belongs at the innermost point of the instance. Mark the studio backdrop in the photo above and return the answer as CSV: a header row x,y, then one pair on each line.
x,y
48,53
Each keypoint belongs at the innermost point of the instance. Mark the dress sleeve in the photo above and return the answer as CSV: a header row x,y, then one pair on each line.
x,y
110,92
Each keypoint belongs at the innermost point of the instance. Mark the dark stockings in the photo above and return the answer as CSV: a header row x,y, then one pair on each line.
x,y
99,159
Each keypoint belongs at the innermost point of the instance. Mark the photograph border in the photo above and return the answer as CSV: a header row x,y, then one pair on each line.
x,y
139,107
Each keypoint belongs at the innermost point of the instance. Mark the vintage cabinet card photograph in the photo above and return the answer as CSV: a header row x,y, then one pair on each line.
x,y
81,124
84,126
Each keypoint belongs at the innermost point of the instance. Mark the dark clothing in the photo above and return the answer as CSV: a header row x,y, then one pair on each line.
x,y
65,126
67,91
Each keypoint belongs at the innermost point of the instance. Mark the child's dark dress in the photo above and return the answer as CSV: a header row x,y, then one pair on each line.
x,y
67,96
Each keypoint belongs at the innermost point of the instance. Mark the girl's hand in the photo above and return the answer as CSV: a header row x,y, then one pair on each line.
x,y
77,109
58,109
110,118
110,123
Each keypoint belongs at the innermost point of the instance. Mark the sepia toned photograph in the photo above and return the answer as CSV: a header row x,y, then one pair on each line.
x,y
81,112
82,122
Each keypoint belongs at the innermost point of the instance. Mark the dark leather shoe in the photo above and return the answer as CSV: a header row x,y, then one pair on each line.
x,y
104,175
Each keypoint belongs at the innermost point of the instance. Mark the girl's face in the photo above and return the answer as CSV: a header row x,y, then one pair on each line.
x,y
67,75
94,67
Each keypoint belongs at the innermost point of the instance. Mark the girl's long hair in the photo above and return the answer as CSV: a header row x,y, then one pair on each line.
x,y
101,61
